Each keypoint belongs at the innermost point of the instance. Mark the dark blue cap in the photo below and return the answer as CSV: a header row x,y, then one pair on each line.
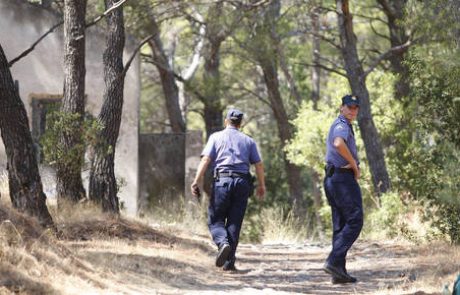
x,y
350,100
234,115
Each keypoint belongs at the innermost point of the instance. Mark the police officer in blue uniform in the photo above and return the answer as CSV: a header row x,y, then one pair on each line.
x,y
342,189
231,153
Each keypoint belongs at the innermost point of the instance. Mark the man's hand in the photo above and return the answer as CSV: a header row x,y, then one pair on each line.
x,y
195,189
260,192
355,169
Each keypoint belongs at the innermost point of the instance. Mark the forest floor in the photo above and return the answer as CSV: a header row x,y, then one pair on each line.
x,y
119,256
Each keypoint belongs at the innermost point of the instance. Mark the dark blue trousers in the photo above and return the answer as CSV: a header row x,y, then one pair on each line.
x,y
226,210
344,196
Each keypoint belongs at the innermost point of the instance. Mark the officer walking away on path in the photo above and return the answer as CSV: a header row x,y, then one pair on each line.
x,y
231,153
342,189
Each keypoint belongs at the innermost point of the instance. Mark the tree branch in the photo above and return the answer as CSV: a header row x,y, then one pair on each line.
x,y
386,55
323,67
377,33
100,17
133,55
32,47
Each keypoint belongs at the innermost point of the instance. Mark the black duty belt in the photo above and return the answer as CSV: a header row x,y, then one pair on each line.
x,y
232,174
344,170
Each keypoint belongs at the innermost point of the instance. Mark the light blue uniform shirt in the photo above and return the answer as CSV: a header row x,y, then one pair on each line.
x,y
340,128
231,151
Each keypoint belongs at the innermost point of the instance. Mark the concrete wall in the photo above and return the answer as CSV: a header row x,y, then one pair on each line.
x,y
167,168
41,72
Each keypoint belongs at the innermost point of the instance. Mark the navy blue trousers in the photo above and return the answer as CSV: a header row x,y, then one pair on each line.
x,y
344,196
226,211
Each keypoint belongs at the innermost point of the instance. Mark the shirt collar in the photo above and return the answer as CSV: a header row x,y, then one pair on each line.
x,y
343,119
231,127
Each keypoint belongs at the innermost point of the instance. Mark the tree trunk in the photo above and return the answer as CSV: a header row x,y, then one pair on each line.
x,y
315,70
267,58
398,36
215,35
25,185
285,132
68,175
168,81
103,184
315,96
356,78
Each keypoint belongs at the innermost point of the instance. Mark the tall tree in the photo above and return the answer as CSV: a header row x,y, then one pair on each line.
x,y
266,56
69,183
103,184
215,35
357,80
315,96
168,80
25,185
399,36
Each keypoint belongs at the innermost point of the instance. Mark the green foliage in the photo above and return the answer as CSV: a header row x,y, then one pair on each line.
x,y
399,216
67,123
387,219
425,155
308,148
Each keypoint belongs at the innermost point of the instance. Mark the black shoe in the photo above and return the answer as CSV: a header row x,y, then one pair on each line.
x,y
336,272
350,279
229,266
222,255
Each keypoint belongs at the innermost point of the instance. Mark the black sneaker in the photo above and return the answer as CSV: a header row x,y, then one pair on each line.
x,y
229,266
222,255
350,279
335,272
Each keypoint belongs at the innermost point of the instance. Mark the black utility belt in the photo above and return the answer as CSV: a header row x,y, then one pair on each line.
x,y
232,175
331,169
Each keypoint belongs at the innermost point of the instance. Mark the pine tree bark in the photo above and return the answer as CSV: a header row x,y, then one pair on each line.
x,y
356,79
293,172
69,183
168,81
394,10
315,97
214,36
268,61
25,185
103,185
315,70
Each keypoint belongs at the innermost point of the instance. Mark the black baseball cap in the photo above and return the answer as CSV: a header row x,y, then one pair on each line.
x,y
235,115
350,100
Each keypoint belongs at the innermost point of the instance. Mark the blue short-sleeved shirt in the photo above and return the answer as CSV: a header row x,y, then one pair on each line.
x,y
340,128
231,151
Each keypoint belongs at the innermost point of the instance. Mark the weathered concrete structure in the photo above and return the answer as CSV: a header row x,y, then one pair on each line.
x,y
167,168
40,80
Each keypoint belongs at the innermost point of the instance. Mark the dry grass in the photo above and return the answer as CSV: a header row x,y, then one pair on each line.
x,y
171,253
97,254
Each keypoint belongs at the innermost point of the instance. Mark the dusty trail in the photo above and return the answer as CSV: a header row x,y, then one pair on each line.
x,y
187,267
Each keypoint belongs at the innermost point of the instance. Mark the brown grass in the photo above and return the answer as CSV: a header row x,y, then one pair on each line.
x,y
95,253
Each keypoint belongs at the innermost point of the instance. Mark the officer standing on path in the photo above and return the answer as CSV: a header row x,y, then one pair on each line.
x,y
231,153
342,189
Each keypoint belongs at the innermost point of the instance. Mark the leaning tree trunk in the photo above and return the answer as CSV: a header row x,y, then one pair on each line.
x,y
316,57
315,96
285,133
215,35
356,79
394,10
267,59
69,184
25,185
168,81
103,184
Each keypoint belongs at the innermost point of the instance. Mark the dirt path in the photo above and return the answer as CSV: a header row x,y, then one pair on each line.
x,y
186,267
